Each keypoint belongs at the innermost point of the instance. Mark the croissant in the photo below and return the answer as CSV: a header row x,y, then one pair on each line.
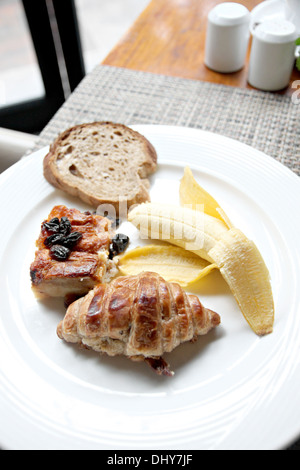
x,y
141,317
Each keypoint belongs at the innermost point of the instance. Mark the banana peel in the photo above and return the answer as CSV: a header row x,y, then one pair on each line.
x,y
247,276
173,263
193,195
238,260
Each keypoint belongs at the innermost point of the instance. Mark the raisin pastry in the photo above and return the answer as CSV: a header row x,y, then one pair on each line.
x,y
72,253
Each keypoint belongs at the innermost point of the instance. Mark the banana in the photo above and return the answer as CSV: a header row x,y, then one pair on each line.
x,y
216,240
192,230
244,270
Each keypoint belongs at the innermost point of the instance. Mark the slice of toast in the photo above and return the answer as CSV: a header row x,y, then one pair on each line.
x,y
102,163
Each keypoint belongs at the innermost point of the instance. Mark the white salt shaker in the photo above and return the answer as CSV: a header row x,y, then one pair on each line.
x,y
292,13
272,56
227,37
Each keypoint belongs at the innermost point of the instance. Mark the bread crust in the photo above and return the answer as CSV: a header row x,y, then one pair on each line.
x,y
54,177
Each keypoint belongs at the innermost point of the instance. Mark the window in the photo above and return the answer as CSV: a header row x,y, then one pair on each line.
x,y
20,77
36,40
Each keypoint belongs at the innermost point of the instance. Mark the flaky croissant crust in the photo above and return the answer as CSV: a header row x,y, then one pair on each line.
x,y
139,316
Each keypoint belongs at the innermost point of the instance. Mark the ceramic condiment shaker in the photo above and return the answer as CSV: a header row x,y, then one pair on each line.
x,y
272,55
292,13
227,37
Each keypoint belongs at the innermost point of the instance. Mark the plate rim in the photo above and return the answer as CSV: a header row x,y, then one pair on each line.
x,y
268,158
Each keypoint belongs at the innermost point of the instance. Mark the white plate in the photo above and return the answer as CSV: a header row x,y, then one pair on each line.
x,y
231,389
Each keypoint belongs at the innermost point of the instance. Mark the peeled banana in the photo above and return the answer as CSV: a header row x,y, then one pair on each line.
x,y
192,230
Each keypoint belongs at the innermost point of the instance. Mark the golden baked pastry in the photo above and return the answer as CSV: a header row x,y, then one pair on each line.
x,y
72,253
141,317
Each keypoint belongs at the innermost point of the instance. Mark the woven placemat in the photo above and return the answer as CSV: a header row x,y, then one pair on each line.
x,y
266,121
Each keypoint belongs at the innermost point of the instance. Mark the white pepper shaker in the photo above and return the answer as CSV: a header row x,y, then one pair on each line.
x,y
272,56
292,13
227,37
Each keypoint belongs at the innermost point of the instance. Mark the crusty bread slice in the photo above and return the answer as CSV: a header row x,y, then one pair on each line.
x,y
102,163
